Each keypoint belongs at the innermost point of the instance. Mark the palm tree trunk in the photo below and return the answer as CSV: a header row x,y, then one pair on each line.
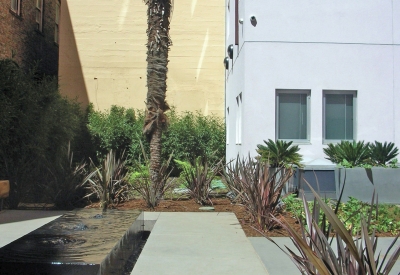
x,y
158,42
155,156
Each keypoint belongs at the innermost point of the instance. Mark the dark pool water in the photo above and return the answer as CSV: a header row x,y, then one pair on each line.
x,y
83,239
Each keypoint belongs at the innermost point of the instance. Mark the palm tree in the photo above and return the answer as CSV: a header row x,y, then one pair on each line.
x,y
158,42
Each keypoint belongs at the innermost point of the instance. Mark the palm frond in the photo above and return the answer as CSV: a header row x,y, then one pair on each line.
x,y
381,154
280,153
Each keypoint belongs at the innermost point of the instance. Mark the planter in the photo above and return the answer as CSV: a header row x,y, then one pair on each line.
x,y
321,179
360,184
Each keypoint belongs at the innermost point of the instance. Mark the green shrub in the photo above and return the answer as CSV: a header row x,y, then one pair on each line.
x,y
183,166
118,129
137,173
191,135
37,125
188,135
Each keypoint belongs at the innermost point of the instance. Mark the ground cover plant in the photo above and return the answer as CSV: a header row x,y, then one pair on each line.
x,y
352,256
385,217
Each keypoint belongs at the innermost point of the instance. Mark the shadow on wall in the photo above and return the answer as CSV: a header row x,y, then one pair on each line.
x,y
39,54
71,81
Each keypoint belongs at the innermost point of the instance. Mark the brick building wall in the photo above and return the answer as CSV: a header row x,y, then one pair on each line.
x,y
21,41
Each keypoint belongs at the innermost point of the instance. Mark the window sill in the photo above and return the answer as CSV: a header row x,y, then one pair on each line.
x,y
15,14
297,142
335,141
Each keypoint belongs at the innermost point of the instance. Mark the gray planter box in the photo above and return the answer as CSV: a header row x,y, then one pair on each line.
x,y
321,179
360,184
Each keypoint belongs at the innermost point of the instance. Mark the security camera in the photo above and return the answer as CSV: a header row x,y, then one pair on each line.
x,y
253,18
226,63
230,51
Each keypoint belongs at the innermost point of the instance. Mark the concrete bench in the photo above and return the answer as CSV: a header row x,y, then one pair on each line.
x,y
4,191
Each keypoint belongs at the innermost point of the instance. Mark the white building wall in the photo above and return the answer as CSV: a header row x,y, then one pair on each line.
x,y
317,46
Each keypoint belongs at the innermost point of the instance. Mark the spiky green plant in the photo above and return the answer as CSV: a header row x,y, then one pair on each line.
x,y
198,177
280,153
354,256
152,193
332,153
108,182
258,187
352,152
381,154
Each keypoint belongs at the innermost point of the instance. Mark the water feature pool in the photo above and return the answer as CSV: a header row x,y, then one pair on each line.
x,y
83,241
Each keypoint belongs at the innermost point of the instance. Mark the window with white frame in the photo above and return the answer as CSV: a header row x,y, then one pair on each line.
x,y
292,115
239,119
16,6
227,125
57,22
39,15
339,122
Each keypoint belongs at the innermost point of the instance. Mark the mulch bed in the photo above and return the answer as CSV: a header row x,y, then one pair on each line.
x,y
220,205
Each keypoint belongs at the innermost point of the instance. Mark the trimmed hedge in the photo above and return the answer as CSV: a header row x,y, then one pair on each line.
x,y
189,134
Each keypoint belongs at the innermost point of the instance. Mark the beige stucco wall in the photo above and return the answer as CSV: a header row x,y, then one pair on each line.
x,y
103,54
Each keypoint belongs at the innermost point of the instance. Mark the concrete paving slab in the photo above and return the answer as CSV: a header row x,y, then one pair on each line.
x,y
278,263
198,243
16,223
150,219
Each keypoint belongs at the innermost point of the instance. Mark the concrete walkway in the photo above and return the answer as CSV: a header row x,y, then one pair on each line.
x,y
188,243
16,223
277,263
197,243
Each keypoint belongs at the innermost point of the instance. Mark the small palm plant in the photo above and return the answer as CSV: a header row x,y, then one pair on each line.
x,y
381,154
351,153
280,153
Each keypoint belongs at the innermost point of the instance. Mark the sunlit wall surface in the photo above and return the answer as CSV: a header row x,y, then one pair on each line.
x,y
312,72
103,54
